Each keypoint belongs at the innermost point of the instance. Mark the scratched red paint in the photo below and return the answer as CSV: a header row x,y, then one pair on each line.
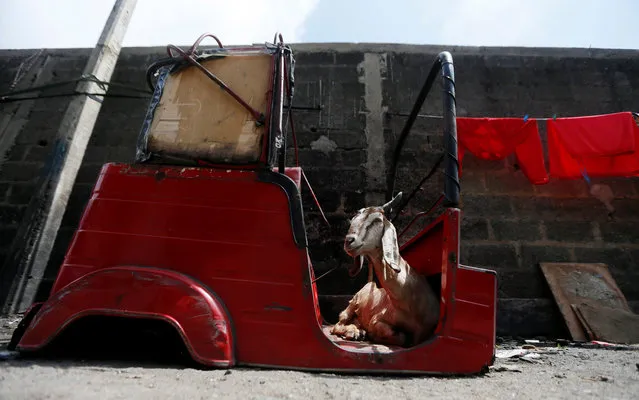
x,y
212,252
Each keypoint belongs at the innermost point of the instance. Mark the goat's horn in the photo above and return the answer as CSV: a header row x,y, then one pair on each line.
x,y
394,202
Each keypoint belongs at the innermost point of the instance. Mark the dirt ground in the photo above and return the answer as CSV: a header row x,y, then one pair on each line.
x,y
549,371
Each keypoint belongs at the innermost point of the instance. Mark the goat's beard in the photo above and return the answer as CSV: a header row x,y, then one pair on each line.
x,y
358,263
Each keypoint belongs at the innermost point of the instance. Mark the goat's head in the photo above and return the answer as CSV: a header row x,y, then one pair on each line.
x,y
371,232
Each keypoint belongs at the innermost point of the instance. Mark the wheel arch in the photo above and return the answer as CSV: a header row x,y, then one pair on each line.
x,y
196,312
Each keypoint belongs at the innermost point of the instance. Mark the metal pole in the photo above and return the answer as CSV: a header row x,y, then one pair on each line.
x,y
34,242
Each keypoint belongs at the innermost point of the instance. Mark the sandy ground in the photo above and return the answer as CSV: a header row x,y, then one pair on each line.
x,y
556,373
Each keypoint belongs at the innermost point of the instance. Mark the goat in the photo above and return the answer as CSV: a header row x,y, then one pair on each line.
x,y
405,310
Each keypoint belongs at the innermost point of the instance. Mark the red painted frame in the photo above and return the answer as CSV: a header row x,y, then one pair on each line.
x,y
222,254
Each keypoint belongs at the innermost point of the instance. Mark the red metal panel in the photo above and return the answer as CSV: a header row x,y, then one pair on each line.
x,y
475,305
424,251
232,234
189,219
436,250
183,221
475,284
138,292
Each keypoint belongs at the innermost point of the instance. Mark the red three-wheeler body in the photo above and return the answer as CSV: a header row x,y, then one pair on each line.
x,y
220,253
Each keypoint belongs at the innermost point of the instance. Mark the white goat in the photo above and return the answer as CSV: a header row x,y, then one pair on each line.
x,y
405,310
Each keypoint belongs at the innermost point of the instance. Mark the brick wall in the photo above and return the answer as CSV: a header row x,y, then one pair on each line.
x,y
345,148
27,128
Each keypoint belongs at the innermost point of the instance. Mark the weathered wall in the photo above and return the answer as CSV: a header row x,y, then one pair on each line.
x,y
509,224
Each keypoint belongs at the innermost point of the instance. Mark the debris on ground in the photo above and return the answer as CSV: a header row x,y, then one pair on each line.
x,y
6,355
503,368
545,345
532,358
611,346
529,355
12,322
535,351
600,378
532,351
510,353
563,376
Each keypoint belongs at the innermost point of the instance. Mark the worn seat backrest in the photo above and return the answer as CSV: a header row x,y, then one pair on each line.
x,y
195,119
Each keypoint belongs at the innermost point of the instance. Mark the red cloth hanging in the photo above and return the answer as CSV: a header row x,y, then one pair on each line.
x,y
496,138
604,145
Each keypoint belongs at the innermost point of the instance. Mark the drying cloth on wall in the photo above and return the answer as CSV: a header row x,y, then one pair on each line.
x,y
597,135
604,145
496,138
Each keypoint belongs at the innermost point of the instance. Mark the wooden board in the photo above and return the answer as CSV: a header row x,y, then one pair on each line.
x,y
580,283
608,324
195,118
584,324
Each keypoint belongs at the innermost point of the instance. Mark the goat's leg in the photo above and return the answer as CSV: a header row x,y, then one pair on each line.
x,y
350,312
355,332
348,326
383,333
352,331
345,318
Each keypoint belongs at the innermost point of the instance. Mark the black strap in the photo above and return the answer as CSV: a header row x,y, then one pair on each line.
x,y
315,198
408,199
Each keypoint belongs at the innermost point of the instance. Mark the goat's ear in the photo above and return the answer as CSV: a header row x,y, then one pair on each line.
x,y
391,205
390,248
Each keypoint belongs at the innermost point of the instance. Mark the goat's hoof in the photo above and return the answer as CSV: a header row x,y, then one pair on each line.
x,y
356,334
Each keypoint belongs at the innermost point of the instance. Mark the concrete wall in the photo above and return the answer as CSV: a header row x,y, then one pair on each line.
x,y
509,224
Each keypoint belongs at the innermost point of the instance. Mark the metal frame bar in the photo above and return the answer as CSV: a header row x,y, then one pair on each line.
x,y
443,63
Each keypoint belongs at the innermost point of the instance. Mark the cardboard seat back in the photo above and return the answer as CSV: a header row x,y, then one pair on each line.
x,y
192,118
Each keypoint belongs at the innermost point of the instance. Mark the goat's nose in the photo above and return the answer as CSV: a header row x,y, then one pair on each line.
x,y
350,239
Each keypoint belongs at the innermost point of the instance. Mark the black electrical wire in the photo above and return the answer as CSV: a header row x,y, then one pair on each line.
x,y
9,97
